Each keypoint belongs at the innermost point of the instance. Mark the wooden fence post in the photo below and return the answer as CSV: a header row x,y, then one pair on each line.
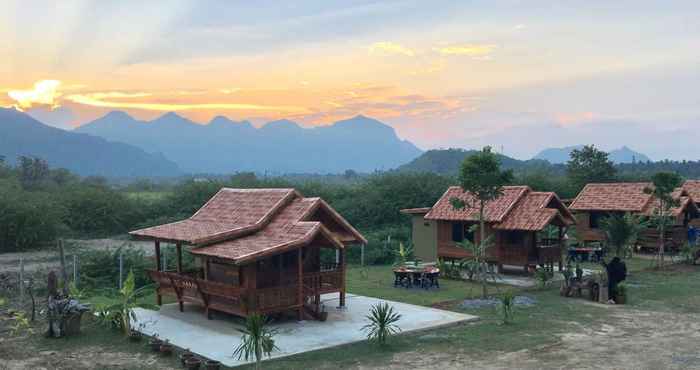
x,y
21,281
64,273
121,268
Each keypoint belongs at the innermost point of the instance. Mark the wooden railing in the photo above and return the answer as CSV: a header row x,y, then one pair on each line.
x,y
323,282
237,300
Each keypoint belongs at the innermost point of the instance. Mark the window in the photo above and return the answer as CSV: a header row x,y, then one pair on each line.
x,y
594,219
457,232
469,233
515,237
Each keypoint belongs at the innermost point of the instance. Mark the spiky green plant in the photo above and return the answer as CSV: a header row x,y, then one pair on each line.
x,y
622,231
121,313
382,323
508,307
257,340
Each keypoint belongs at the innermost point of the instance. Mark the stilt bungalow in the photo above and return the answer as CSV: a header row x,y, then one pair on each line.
x,y
256,251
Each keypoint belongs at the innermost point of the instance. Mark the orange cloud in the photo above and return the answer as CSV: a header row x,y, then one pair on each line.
x,y
45,92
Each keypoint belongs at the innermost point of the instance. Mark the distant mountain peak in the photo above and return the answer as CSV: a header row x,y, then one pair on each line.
x,y
561,155
281,124
118,114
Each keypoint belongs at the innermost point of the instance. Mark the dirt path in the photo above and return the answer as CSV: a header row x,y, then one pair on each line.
x,y
632,340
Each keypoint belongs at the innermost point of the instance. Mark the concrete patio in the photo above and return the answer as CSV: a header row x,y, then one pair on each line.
x,y
216,339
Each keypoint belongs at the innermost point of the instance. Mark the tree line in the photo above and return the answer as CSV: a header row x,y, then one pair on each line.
x,y
39,204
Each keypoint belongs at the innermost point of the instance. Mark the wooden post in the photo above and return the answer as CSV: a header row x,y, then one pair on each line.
x,y
342,283
178,246
21,281
561,246
159,298
300,288
64,274
121,269
362,255
75,270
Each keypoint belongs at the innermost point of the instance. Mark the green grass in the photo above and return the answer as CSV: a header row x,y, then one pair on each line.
x,y
379,282
673,289
634,263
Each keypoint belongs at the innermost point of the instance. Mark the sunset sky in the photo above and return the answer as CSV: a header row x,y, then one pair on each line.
x,y
518,75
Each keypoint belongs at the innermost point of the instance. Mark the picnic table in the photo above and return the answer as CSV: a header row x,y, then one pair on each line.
x,y
583,254
417,276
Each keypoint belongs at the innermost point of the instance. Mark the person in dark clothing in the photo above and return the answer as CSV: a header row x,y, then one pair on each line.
x,y
617,272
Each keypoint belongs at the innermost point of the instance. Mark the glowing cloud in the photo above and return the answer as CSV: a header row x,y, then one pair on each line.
x,y
472,50
386,47
45,92
98,100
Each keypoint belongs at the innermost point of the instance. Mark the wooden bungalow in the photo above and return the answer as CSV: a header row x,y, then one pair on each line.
x,y
527,227
692,187
597,201
257,251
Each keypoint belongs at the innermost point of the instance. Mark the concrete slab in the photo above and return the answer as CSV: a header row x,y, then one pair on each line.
x,y
216,339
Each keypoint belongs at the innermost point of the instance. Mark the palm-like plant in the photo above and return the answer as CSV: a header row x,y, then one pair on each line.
x,y
476,265
622,231
382,323
404,253
122,312
508,305
257,340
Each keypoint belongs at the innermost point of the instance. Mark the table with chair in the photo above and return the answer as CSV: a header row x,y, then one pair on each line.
x,y
425,277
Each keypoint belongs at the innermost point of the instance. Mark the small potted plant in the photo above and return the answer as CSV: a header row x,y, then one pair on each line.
x,y
193,363
212,365
166,348
135,336
621,293
187,354
155,343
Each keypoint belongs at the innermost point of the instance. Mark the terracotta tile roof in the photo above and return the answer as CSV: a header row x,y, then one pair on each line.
x,y
519,208
494,210
272,220
684,202
530,213
619,196
693,189
228,213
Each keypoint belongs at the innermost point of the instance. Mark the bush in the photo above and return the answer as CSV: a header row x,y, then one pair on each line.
x,y
99,269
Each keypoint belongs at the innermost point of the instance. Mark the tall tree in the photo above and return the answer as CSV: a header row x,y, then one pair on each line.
x,y
481,175
589,164
665,183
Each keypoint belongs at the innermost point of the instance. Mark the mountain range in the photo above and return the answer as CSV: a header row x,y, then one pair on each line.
x,y
224,146
86,155
620,155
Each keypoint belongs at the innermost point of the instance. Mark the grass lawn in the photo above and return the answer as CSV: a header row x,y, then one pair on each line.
x,y
378,281
635,263
673,289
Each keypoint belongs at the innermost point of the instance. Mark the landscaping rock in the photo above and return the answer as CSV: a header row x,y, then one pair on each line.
x,y
520,300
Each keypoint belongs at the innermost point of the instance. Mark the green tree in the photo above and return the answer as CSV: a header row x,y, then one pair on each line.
x,y
622,230
33,172
588,165
665,183
482,177
257,340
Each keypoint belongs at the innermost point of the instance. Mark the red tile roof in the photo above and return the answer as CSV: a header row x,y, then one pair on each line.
x,y
494,210
629,197
245,224
693,189
519,208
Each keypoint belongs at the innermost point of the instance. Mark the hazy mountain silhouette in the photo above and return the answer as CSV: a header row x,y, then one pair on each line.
x,y
448,162
224,146
83,154
561,155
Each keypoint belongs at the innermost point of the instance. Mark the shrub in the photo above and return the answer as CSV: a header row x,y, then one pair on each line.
x,y
99,269
508,306
382,323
